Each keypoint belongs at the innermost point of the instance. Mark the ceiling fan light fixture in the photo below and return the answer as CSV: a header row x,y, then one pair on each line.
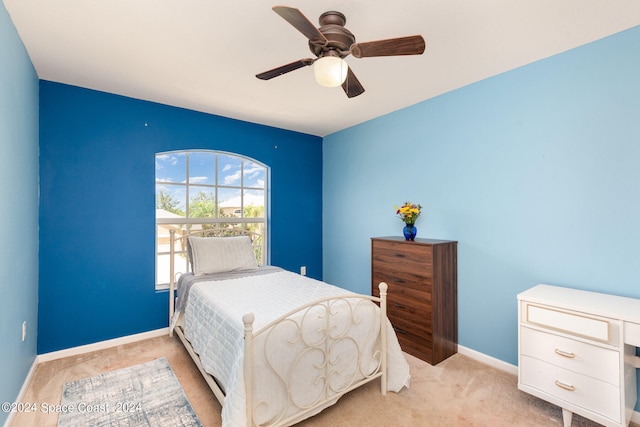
x,y
331,42
330,71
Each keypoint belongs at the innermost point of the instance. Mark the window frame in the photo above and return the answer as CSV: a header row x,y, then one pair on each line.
x,y
187,222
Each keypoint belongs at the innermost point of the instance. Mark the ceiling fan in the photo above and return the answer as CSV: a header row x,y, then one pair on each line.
x,y
331,43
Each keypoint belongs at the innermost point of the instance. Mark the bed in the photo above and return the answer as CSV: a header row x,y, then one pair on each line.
x,y
276,347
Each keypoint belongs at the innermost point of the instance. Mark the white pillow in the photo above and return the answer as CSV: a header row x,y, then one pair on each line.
x,y
220,254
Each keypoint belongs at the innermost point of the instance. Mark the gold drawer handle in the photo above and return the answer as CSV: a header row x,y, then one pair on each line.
x,y
565,386
565,354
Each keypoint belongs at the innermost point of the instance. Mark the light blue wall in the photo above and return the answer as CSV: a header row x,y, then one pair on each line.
x,y
18,210
536,172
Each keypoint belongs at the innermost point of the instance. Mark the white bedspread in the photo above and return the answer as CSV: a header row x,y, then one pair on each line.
x,y
213,325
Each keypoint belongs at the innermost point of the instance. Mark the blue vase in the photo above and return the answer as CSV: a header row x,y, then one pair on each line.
x,y
410,232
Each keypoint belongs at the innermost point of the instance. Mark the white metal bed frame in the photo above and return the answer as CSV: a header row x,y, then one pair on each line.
x,y
297,316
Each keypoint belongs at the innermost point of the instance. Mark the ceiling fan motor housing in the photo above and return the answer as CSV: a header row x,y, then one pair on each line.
x,y
339,38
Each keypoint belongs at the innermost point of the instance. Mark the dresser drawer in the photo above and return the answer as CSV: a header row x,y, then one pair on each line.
x,y
569,322
577,389
410,320
412,310
402,285
412,263
420,292
418,346
390,250
579,357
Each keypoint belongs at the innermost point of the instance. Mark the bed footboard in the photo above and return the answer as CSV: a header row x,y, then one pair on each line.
x,y
333,341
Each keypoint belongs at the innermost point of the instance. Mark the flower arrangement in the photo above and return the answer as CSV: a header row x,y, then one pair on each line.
x,y
409,212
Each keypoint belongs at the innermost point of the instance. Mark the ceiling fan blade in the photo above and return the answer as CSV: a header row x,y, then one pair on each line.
x,y
285,69
352,86
411,45
301,23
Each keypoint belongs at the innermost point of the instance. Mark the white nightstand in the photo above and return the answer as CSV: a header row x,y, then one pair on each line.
x,y
576,349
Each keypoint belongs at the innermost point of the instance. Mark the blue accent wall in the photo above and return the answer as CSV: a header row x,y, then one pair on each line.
x,y
97,216
535,172
18,210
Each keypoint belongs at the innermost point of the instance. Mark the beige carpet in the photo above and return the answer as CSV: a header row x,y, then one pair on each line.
x,y
457,392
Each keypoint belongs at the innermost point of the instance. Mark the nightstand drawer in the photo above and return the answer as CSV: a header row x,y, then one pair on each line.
x,y
632,333
597,362
568,322
577,389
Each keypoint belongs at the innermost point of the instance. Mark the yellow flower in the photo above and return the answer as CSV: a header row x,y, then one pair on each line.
x,y
408,212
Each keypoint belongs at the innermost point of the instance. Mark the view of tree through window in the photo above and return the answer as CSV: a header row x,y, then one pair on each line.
x,y
200,190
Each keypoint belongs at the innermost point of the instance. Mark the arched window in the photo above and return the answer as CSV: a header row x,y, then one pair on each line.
x,y
200,189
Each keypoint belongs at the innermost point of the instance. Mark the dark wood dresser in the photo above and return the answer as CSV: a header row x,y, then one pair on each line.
x,y
422,302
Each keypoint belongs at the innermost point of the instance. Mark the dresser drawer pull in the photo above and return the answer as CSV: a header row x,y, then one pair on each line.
x,y
565,354
400,331
399,255
396,305
565,386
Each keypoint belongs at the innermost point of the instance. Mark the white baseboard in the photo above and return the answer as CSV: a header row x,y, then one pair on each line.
x,y
512,369
23,390
100,345
488,360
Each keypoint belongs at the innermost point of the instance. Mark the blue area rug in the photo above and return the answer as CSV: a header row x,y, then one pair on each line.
x,y
148,394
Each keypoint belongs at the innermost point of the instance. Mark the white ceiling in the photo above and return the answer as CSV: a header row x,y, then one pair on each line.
x,y
203,54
